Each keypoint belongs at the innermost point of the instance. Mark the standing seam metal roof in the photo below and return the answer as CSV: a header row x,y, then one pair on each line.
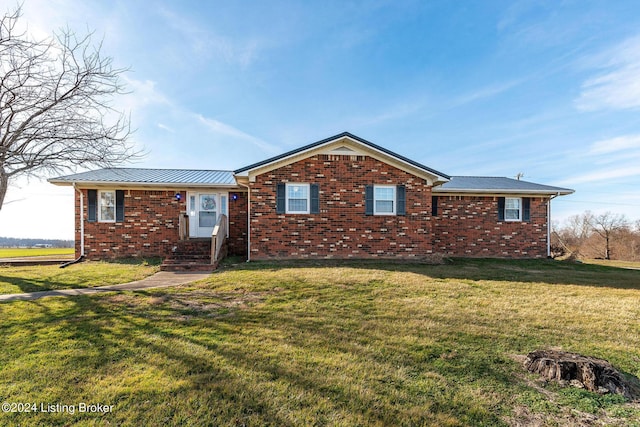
x,y
496,184
150,176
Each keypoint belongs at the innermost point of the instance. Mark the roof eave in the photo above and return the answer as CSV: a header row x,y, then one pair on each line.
x,y
559,192
142,184
436,176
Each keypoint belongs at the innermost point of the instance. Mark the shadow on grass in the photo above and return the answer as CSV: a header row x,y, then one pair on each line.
x,y
278,361
35,280
257,366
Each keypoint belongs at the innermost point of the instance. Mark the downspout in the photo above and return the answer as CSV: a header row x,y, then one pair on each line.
x,y
248,219
551,197
81,257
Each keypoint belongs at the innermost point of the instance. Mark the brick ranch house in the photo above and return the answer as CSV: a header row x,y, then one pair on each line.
x,y
342,197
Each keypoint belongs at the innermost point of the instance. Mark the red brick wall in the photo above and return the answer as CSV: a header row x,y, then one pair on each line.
x,y
237,242
468,226
341,229
150,226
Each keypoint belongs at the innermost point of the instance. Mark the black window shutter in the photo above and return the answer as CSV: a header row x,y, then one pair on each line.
x,y
368,200
92,212
315,198
119,205
500,208
280,198
434,205
526,209
401,200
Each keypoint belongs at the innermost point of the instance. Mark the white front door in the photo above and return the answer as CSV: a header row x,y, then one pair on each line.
x,y
204,209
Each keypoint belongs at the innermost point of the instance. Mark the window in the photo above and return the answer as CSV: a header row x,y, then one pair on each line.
x,y
297,198
384,198
105,205
107,211
512,209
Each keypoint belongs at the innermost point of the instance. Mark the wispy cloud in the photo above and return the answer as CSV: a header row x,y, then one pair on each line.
x,y
204,42
484,92
617,83
166,128
224,129
613,159
143,93
603,175
612,145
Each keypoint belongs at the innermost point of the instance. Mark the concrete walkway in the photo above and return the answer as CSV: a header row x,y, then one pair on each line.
x,y
161,279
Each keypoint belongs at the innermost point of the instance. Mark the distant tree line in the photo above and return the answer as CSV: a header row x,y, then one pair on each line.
x,y
12,242
601,236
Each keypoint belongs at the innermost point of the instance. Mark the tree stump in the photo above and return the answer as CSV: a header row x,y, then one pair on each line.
x,y
593,374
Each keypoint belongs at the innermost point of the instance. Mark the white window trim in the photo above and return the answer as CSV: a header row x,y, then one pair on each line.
x,y
519,199
394,200
286,198
99,205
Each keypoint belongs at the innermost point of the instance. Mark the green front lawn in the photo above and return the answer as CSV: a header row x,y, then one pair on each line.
x,y
83,275
316,344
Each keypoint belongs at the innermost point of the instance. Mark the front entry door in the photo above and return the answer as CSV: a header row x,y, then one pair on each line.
x,y
203,213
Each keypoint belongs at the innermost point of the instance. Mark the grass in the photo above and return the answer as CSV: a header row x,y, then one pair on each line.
x,y
327,344
33,252
614,263
88,274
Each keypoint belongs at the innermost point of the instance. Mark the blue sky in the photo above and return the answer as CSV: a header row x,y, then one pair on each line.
x,y
493,88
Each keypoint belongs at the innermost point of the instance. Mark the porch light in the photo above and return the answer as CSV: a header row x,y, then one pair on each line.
x,y
178,196
234,196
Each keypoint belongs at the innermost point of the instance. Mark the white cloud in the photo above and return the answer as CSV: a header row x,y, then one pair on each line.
x,y
485,92
143,93
205,43
617,84
230,131
617,144
604,175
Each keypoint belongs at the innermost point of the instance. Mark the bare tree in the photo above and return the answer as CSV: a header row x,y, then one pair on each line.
x,y
607,225
575,233
55,105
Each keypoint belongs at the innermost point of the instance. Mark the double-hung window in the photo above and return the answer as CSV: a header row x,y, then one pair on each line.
x,y
297,198
512,209
107,206
384,200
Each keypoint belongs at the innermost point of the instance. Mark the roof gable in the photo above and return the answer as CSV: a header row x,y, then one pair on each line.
x,y
343,144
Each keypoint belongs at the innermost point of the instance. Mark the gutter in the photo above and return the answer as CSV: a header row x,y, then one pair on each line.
x,y
551,197
81,218
81,257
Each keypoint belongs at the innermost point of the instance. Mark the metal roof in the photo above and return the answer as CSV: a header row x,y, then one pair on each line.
x,y
153,177
333,138
490,184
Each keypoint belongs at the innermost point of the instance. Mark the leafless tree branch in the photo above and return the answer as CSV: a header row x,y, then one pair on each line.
x,y
56,105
